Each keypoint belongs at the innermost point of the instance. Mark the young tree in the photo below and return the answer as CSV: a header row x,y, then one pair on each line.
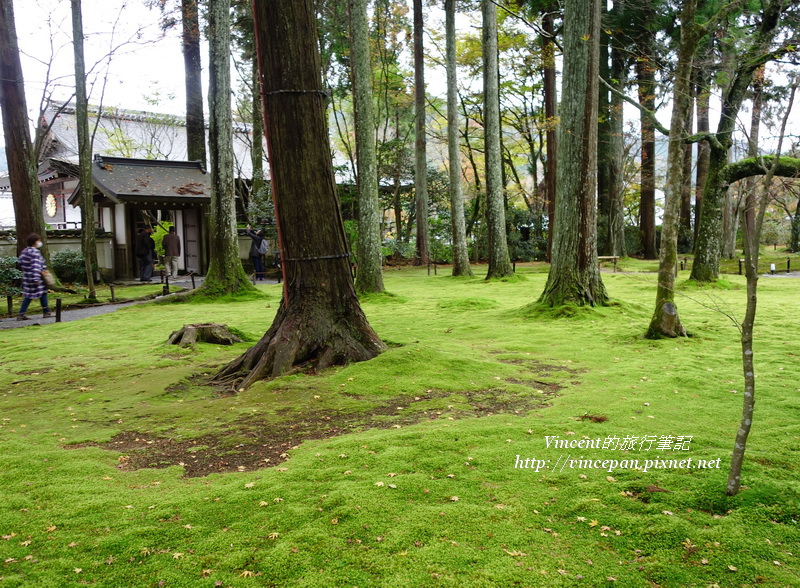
x,y
769,168
319,321
460,254
22,165
499,262
369,254
574,276
421,157
225,272
84,150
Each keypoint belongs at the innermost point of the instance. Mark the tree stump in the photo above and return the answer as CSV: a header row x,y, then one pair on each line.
x,y
189,335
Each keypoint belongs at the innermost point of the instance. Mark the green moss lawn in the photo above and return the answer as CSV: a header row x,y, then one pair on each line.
x,y
120,467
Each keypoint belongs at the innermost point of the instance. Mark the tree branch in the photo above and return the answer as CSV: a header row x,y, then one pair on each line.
x,y
650,114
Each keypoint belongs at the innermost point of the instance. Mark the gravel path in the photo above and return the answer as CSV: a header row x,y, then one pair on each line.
x,y
74,314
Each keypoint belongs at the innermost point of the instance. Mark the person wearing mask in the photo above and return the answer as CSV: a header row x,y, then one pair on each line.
x,y
33,284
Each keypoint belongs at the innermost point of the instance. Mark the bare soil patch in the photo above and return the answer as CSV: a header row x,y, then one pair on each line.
x,y
257,442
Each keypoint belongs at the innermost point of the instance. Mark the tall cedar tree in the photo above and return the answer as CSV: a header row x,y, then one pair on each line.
x,y
460,254
84,150
574,276
195,119
320,321
499,262
550,92
369,254
420,149
22,166
225,272
646,78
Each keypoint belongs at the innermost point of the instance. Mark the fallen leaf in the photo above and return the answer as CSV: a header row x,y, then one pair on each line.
x,y
667,512
594,523
733,568
515,553
454,499
581,519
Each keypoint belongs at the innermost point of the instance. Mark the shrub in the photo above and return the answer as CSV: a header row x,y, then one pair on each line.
x,y
10,277
69,266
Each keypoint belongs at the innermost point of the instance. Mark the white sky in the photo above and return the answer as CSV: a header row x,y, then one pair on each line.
x,y
146,63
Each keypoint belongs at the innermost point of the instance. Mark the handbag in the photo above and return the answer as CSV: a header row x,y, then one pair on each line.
x,y
48,279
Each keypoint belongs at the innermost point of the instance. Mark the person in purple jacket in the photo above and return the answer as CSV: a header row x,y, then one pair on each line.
x,y
33,285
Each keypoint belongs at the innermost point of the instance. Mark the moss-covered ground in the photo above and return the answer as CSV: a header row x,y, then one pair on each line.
x,y
119,466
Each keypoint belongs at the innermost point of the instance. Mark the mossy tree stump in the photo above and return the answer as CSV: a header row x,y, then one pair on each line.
x,y
189,335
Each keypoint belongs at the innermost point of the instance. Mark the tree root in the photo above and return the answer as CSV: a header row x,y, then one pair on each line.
x,y
308,340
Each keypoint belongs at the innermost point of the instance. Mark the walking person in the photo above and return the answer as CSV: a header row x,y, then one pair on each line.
x,y
258,248
145,253
172,251
33,283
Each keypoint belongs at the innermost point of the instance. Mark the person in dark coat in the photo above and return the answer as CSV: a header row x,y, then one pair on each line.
x,y
33,285
255,251
145,253
172,252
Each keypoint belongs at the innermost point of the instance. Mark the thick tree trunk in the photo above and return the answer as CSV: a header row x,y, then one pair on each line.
x,y
461,265
665,321
320,322
551,113
22,166
708,247
369,254
84,152
225,272
574,276
420,149
195,119
499,262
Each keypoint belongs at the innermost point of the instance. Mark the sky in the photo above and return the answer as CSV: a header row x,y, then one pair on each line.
x,y
146,64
